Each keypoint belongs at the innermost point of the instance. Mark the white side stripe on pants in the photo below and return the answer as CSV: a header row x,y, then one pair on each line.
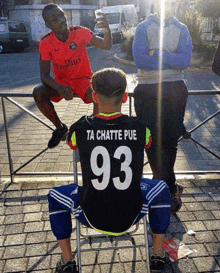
x,y
56,212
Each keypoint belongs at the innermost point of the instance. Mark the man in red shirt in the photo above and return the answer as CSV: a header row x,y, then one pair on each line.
x,y
65,49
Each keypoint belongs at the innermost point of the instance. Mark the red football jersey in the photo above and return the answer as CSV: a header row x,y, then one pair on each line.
x,y
69,58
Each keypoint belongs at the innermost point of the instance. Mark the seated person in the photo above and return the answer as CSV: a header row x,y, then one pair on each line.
x,y
114,196
65,49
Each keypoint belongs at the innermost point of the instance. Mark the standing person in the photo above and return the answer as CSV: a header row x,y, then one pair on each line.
x,y
161,94
216,62
65,49
113,196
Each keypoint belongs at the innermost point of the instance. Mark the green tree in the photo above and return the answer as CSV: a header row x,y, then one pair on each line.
x,y
193,19
209,8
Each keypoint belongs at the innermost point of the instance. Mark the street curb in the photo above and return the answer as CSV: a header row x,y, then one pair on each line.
x,y
123,61
126,62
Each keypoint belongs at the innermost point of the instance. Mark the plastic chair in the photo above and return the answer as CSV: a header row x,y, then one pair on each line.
x,y
80,235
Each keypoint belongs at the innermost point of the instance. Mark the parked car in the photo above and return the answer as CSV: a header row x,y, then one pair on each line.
x,y
13,36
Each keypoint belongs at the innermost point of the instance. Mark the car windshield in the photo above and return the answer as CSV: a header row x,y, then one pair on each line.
x,y
16,27
113,18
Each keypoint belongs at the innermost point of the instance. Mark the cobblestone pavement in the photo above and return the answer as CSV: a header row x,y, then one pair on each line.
x,y
26,242
28,245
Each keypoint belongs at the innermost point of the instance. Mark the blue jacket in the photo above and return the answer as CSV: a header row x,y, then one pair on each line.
x,y
176,49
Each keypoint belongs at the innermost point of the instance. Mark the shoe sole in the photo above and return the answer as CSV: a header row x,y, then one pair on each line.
x,y
160,270
64,137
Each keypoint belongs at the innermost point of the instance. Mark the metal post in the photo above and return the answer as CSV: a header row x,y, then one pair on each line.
x,y
75,160
7,139
146,244
130,106
78,246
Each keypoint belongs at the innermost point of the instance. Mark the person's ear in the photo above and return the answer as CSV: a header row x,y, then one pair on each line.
x,y
125,97
94,97
46,24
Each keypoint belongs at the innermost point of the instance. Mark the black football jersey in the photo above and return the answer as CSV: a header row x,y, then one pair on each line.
x,y
111,155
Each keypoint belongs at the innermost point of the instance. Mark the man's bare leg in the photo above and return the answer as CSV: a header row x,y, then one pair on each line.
x,y
41,96
65,247
157,244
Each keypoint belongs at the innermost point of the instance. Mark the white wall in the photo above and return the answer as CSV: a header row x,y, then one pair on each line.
x,y
31,15
33,18
75,17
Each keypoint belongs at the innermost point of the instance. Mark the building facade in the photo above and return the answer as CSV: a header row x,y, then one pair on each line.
x,y
78,12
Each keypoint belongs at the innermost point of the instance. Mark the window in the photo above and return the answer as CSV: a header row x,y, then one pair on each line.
x,y
123,18
22,2
2,27
88,2
113,18
87,18
58,2
16,27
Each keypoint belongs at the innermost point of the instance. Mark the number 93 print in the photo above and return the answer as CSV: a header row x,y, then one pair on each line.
x,y
105,169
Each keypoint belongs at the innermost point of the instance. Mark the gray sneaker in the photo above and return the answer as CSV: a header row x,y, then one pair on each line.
x,y
69,267
158,263
176,202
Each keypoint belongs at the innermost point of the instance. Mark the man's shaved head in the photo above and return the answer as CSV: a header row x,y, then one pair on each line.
x,y
48,8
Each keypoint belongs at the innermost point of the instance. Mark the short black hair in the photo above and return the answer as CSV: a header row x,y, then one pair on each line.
x,y
47,8
109,82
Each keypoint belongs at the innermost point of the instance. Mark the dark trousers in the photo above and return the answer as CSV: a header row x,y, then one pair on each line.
x,y
163,108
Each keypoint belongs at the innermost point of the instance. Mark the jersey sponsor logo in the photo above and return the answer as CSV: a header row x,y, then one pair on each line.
x,y
68,63
73,46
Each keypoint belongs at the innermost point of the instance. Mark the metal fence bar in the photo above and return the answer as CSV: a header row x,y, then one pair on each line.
x,y
7,139
79,173
191,92
15,94
186,136
7,95
27,162
29,112
204,147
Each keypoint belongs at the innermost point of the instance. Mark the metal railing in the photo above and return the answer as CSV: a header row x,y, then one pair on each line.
x,y
8,96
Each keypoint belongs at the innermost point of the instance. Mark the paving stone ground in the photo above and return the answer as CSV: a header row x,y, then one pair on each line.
x,y
28,245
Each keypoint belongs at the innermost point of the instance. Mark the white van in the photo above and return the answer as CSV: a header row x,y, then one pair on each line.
x,y
119,16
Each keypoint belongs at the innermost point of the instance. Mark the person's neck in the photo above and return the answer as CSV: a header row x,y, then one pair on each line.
x,y
109,109
62,36
165,18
